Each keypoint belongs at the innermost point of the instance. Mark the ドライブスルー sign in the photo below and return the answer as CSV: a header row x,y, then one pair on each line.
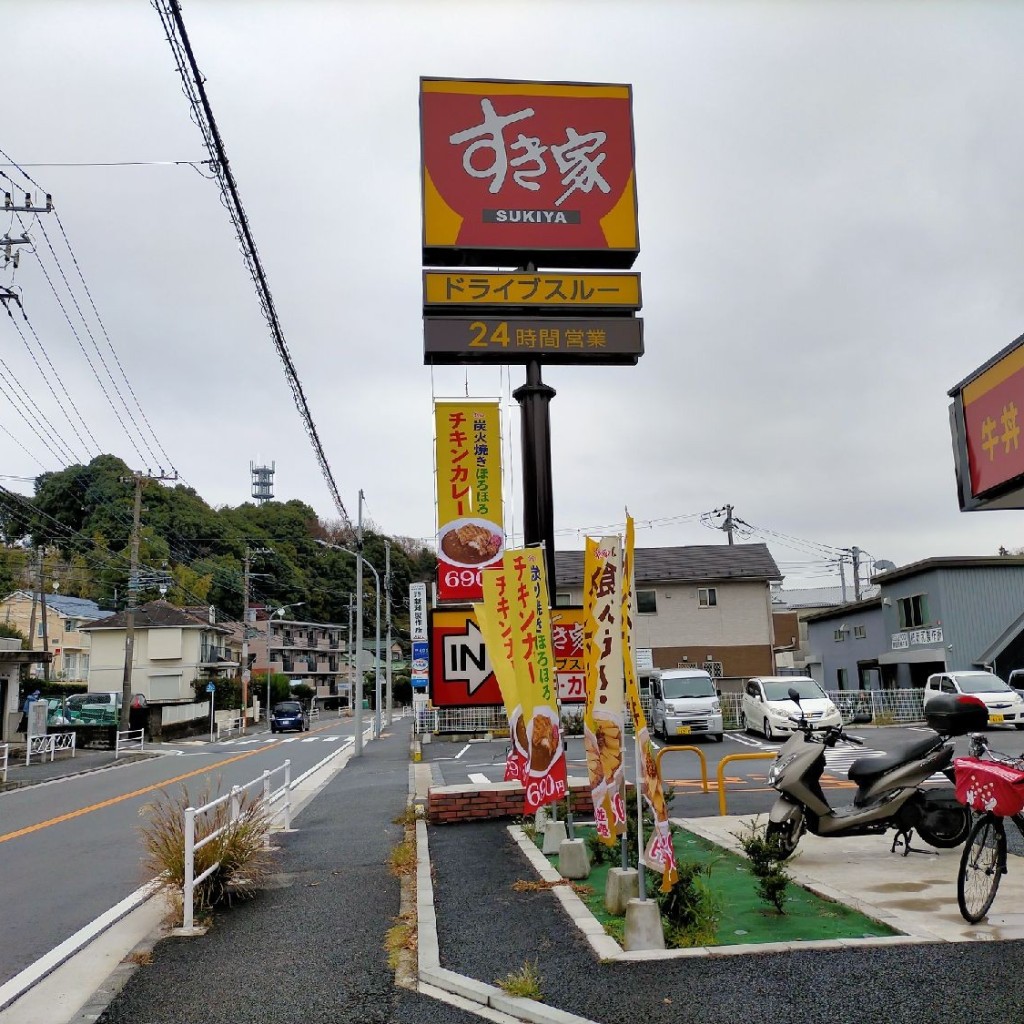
x,y
542,168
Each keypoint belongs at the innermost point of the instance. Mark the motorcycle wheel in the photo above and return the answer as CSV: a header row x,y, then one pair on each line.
x,y
945,829
786,834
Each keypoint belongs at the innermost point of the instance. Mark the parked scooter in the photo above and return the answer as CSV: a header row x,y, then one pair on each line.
x,y
889,794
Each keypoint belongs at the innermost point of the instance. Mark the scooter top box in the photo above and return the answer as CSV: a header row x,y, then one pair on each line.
x,y
954,714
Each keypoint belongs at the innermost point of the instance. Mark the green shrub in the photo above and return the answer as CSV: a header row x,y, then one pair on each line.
x,y
690,911
766,864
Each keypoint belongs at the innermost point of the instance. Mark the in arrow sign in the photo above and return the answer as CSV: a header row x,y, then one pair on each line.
x,y
465,658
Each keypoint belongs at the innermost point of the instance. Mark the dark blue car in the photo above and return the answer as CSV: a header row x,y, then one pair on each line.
x,y
288,715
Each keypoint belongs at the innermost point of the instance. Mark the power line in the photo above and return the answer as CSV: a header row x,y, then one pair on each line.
x,y
192,83
114,163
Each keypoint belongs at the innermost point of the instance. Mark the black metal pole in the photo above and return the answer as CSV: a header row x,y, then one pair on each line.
x,y
534,399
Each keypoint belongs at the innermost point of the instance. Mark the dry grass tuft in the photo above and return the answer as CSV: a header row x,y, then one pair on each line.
x,y
240,849
542,886
402,859
524,983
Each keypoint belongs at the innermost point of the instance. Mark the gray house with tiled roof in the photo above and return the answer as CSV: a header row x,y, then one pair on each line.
x,y
697,605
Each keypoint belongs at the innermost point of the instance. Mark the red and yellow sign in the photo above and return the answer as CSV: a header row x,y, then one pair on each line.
x,y
461,672
494,615
993,404
557,292
604,721
534,662
567,637
659,852
469,509
538,167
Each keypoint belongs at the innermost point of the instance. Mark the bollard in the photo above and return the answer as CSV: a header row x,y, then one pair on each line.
x,y
236,803
288,795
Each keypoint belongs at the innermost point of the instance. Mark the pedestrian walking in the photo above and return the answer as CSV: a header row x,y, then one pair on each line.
x,y
29,701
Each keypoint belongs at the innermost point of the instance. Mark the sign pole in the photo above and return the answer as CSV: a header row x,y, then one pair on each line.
x,y
534,398
210,688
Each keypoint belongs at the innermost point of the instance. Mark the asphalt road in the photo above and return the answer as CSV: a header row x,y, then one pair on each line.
x,y
70,848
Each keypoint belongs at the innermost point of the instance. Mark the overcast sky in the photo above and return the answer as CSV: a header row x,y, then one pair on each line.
x,y
829,202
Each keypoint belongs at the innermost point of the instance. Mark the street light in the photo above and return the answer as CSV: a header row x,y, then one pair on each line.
x,y
361,561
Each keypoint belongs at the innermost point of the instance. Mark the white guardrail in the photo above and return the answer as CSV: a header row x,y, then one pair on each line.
x,y
4,750
129,741
43,745
268,797
232,726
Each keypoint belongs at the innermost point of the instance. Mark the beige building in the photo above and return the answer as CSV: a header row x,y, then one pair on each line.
x,y
64,640
173,648
700,606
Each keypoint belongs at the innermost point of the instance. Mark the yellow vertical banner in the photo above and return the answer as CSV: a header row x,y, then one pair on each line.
x,y
470,536
604,724
659,854
494,617
546,778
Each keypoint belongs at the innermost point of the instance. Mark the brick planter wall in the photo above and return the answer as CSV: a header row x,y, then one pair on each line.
x,y
472,802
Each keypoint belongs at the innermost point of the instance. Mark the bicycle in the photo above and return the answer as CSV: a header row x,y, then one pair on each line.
x,y
992,784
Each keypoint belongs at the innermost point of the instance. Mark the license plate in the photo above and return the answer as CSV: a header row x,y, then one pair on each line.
x,y
682,730
996,719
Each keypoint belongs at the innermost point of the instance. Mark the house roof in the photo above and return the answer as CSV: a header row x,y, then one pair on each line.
x,y
816,597
850,608
154,615
954,562
70,607
693,562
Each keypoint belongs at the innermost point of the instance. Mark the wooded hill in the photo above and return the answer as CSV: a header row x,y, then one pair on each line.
x,y
82,518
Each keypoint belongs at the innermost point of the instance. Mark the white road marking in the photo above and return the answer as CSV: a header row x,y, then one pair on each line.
x,y
479,778
462,751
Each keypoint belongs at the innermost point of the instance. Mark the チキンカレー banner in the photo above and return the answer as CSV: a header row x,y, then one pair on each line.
x,y
470,535
540,167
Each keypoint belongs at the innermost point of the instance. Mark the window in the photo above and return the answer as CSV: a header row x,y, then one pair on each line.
x,y
839,635
841,678
913,611
563,599
859,632
71,626
713,669
707,597
39,630
646,602
71,666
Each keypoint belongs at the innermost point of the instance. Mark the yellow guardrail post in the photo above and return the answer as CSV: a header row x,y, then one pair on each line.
x,y
764,755
700,753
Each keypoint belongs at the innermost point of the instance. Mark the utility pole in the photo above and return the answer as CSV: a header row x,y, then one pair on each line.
x,y
42,612
855,558
728,525
387,591
138,478
351,672
246,676
842,575
358,711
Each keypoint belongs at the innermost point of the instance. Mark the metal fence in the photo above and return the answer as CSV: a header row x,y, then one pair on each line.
x,y
49,745
268,798
129,741
4,750
885,707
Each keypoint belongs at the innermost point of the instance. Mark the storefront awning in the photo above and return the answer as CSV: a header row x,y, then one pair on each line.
x,y
914,656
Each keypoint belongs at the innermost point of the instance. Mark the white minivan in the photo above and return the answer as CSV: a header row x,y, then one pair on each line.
x,y
684,702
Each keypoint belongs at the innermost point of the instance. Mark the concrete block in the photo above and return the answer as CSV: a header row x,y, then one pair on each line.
x,y
643,925
541,817
573,859
622,886
554,836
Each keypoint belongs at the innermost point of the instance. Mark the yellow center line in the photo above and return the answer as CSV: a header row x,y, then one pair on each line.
x,y
127,796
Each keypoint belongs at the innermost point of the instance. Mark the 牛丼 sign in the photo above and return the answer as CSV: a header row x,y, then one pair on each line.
x,y
541,168
986,419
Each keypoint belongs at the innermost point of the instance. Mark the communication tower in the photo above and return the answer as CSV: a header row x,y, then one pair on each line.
x,y
262,482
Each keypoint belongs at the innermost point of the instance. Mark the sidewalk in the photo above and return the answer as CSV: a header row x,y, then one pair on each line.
x,y
312,949
63,765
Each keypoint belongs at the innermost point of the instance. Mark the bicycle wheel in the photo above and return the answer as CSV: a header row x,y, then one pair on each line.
x,y
981,867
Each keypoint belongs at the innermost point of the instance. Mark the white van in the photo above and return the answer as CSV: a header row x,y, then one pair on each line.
x,y
684,702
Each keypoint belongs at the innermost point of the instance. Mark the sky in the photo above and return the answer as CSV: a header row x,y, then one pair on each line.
x,y
829,243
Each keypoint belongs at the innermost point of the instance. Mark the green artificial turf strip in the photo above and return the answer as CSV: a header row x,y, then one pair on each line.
x,y
745,917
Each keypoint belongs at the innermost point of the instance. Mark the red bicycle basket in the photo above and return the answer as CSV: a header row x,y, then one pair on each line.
x,y
989,786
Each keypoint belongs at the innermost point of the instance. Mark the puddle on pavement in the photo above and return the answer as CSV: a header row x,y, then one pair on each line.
x,y
902,886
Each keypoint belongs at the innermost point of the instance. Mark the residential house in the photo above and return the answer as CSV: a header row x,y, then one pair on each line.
x,y
173,649
69,646
12,659
701,606
939,614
